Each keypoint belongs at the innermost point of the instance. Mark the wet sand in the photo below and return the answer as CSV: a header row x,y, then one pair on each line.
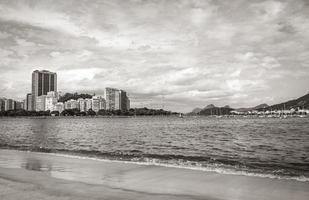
x,y
27,175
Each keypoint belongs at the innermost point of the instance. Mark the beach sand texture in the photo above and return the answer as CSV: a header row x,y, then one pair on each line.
x,y
28,175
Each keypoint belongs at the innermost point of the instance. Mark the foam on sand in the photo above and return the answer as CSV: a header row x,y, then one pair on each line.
x,y
28,175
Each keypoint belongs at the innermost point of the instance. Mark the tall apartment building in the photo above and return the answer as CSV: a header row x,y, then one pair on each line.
x,y
9,104
124,102
42,82
18,105
28,102
116,99
112,98
1,104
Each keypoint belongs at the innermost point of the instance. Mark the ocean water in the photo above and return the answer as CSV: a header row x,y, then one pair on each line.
x,y
276,148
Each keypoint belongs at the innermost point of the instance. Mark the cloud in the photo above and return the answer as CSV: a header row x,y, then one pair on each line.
x,y
182,54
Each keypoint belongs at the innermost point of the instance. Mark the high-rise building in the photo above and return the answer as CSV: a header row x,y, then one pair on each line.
x,y
128,104
116,99
28,102
18,105
51,100
42,82
124,103
2,104
40,102
110,97
9,104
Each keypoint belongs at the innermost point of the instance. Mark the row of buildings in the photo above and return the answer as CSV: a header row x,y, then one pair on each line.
x,y
10,104
44,97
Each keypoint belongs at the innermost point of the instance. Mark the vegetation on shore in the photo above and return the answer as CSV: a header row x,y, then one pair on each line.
x,y
76,112
75,96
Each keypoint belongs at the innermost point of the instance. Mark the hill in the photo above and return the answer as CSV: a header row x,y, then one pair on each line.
x,y
259,107
301,102
213,110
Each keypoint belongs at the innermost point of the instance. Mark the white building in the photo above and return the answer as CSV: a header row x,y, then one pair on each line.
x,y
88,104
51,100
82,104
40,103
59,107
71,104
98,103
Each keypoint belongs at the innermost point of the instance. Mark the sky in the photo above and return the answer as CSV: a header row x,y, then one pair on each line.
x,y
171,54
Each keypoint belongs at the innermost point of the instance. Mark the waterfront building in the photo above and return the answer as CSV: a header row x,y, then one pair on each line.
x,y
42,82
23,105
28,102
59,106
116,99
98,103
40,102
109,95
51,100
128,104
9,104
124,102
71,104
1,104
88,104
82,104
18,105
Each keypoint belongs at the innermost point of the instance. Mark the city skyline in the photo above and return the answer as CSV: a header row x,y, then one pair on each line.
x,y
172,54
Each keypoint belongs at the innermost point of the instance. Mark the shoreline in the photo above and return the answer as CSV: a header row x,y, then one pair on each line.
x,y
153,162
45,175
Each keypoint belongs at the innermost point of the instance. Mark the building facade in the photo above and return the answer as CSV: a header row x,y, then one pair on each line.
x,y
28,102
59,106
71,104
42,82
40,102
116,99
18,105
9,104
88,104
82,104
98,103
51,100
2,104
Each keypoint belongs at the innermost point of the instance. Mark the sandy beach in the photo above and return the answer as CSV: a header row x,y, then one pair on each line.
x,y
28,175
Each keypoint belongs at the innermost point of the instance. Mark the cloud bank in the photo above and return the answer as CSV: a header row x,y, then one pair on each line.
x,y
175,54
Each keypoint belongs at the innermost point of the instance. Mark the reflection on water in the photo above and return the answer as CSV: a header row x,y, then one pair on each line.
x,y
60,167
36,165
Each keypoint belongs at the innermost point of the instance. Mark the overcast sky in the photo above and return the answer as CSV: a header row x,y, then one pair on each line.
x,y
172,54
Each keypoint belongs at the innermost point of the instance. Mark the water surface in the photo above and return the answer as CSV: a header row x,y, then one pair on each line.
x,y
263,147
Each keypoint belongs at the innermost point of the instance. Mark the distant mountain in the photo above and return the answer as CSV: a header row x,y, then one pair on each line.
x,y
213,110
261,106
301,102
196,110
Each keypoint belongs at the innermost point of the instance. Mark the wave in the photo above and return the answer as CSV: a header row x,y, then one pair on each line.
x,y
200,163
